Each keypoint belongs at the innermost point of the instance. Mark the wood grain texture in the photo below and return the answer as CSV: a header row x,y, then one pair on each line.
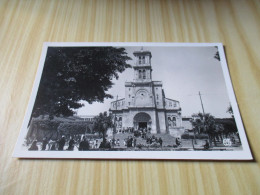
x,y
25,25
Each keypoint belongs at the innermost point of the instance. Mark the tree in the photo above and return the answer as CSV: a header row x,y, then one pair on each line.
x,y
229,127
204,124
230,110
71,74
102,122
216,56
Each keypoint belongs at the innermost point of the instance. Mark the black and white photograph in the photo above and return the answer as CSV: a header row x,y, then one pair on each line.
x,y
133,101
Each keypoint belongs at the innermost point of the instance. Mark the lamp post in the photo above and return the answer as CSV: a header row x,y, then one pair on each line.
x,y
105,130
114,129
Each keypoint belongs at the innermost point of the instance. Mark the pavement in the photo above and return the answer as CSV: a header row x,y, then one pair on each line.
x,y
170,142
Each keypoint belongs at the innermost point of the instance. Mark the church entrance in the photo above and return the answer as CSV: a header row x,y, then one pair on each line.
x,y
142,125
142,120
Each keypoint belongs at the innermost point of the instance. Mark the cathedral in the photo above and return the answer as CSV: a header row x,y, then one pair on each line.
x,y
145,104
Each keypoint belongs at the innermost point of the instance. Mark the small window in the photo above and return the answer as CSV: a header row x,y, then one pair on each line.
x,y
129,103
157,96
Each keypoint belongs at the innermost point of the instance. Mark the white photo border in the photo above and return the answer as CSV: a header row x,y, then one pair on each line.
x,y
244,154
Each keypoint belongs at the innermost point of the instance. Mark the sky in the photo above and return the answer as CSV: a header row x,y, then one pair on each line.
x,y
184,71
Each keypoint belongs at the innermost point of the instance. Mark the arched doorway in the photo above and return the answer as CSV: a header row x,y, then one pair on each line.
x,y
142,120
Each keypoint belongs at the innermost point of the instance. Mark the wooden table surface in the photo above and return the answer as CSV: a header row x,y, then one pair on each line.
x,y
25,25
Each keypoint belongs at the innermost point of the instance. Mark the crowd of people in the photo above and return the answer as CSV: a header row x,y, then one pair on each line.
x,y
130,141
81,142
153,139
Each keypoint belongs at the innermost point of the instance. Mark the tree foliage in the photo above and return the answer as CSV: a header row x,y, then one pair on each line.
x,y
217,56
203,123
40,128
75,128
213,127
71,74
102,122
230,110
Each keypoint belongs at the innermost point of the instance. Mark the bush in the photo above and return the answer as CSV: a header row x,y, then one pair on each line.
x,y
185,136
201,136
72,128
52,129
139,146
155,145
191,136
40,128
94,136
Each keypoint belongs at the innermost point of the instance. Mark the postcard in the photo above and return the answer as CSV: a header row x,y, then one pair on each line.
x,y
133,101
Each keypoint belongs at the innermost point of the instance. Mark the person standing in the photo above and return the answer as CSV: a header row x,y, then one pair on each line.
x,y
178,142
51,145
118,142
96,144
206,146
84,144
129,142
134,142
44,143
62,142
160,141
71,144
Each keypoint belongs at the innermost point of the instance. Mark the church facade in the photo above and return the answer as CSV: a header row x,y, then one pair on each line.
x,y
145,104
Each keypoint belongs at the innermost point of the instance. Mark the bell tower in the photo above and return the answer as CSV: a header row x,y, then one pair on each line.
x,y
142,66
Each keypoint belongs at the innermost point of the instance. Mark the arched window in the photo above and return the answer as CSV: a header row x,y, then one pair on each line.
x,y
140,74
144,75
174,121
169,122
143,61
